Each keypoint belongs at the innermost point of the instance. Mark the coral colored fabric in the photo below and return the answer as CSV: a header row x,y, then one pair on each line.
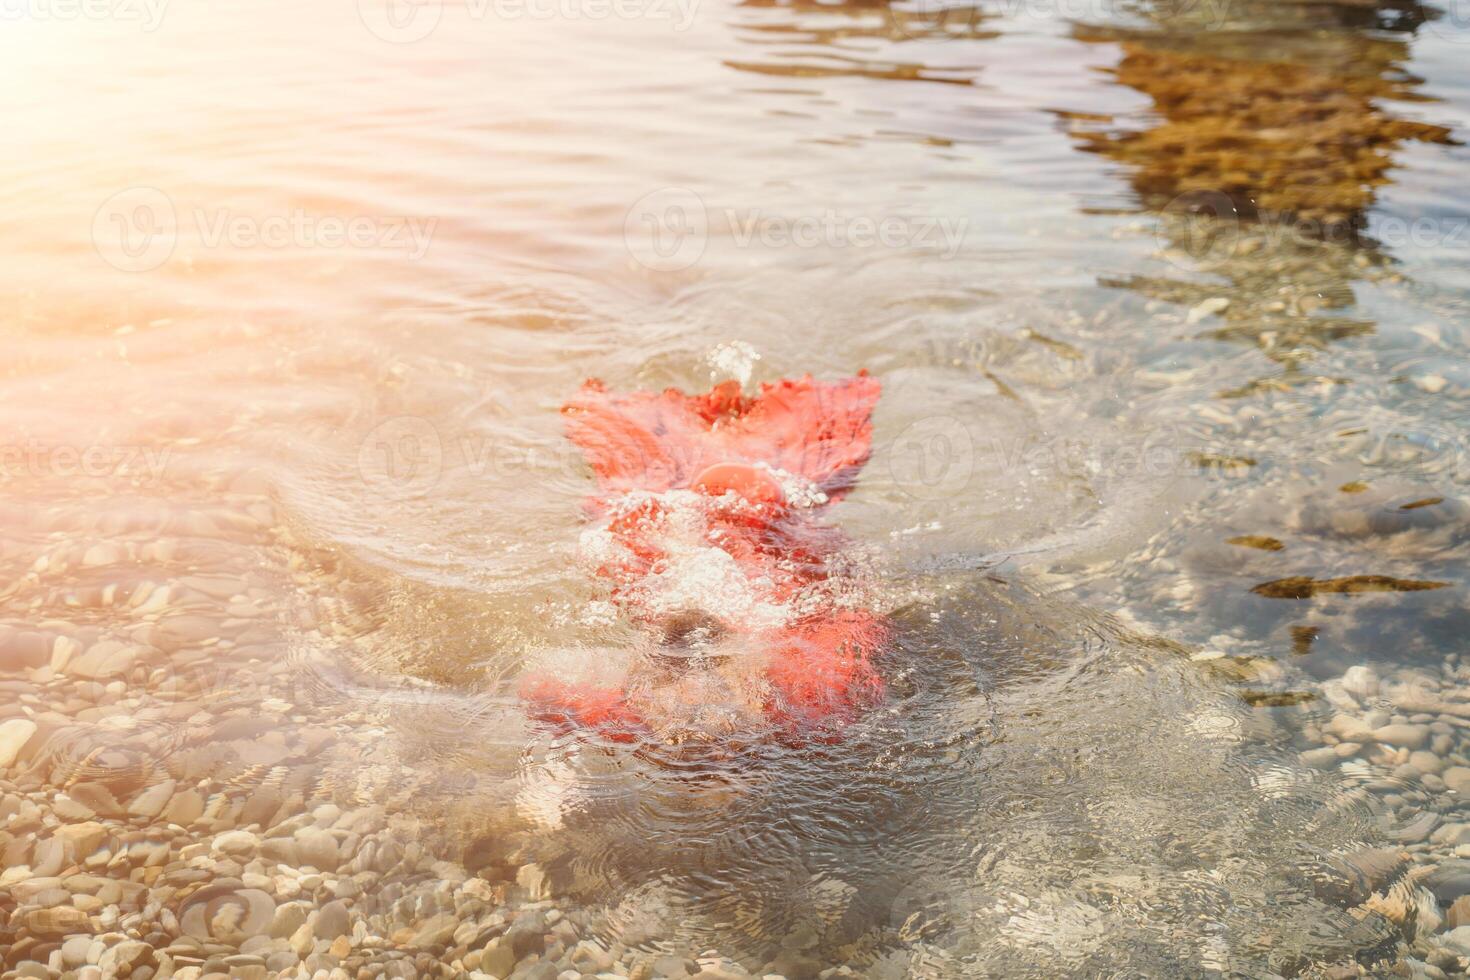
x,y
818,667
651,441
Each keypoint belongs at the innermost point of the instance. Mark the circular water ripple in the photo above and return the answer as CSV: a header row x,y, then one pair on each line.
x,y
122,754
1040,791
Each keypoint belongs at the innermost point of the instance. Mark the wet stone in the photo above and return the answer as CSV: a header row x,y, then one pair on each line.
x,y
151,801
525,938
14,734
1323,758
436,931
1418,829
104,661
1361,682
317,849
280,850
1426,762
81,840
48,856
1403,736
539,971
332,920
1458,940
282,960
58,921
125,957
184,808
235,842
23,649
260,807
1449,881
71,810
1452,834
98,797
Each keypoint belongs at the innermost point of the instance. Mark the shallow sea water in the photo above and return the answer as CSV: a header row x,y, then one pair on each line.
x,y
1169,302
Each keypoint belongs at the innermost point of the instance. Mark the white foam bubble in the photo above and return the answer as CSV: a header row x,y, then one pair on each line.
x,y
735,359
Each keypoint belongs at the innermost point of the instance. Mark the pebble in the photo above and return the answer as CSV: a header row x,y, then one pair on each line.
x,y
104,660
1361,681
22,649
71,810
268,880
281,960
125,958
58,921
1207,308
261,911
48,857
1405,736
317,848
1323,758
184,808
1457,778
1426,762
151,801
236,842
81,840
1453,834
1417,829
1458,914
497,959
281,850
74,951
1457,939
1449,880
1350,728
14,734
435,931
332,921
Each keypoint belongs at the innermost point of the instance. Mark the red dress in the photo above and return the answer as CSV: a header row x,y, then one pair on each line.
x,y
707,526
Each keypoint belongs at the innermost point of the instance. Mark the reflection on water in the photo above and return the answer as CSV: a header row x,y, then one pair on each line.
x,y
1167,498
1267,143
815,39
1284,126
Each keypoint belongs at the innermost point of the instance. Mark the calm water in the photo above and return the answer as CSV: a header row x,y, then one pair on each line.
x,y
1169,302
